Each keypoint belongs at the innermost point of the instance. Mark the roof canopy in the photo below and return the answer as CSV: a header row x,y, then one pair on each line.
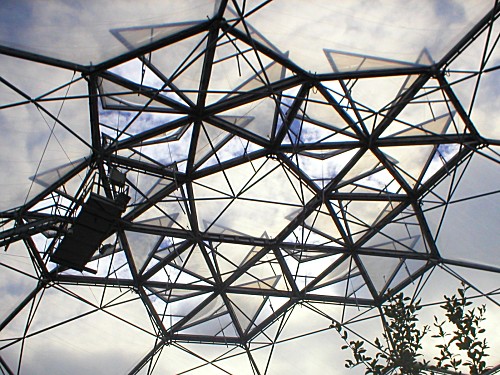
x,y
177,175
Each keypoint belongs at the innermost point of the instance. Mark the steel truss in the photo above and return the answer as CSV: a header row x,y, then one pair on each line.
x,y
155,278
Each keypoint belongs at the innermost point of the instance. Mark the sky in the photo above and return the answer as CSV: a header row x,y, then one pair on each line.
x,y
34,143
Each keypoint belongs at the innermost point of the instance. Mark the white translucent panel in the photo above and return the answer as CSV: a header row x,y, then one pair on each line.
x,y
308,270
115,96
113,264
130,308
308,235
172,153
138,72
410,161
230,257
471,201
365,213
11,345
395,31
286,187
145,186
263,76
265,274
15,286
195,262
321,348
479,176
463,84
220,326
261,111
68,308
304,320
265,283
238,68
210,188
170,295
437,126
243,217
230,149
459,240
209,140
42,145
36,80
182,64
406,273
380,270
171,312
141,245
402,234
366,165
176,210
90,32
484,282
354,287
471,58
168,214
9,96
215,307
268,309
341,271
92,334
482,104
322,166
246,308
220,359
373,94
186,361
47,178
321,220
317,121
350,62
217,146
447,280
258,209
486,113
317,110
429,105
395,239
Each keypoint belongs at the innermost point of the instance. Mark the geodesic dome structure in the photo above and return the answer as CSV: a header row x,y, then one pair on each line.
x,y
201,187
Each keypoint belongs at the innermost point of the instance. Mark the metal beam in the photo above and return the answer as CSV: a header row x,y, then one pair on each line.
x,y
149,92
39,287
468,38
145,49
38,58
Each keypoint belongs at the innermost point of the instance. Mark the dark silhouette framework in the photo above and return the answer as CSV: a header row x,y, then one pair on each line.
x,y
230,223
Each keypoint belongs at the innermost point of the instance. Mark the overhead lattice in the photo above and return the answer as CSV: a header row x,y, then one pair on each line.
x,y
181,174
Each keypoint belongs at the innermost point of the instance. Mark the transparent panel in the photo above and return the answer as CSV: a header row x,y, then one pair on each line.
x,y
95,35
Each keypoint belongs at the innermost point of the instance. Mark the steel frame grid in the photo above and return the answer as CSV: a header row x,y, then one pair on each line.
x,y
29,222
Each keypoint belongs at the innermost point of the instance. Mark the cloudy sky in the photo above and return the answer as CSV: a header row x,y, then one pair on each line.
x,y
44,119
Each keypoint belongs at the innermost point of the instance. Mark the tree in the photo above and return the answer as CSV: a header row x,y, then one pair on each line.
x,y
467,328
401,353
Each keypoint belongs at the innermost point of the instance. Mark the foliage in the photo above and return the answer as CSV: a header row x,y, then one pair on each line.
x,y
465,335
403,339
